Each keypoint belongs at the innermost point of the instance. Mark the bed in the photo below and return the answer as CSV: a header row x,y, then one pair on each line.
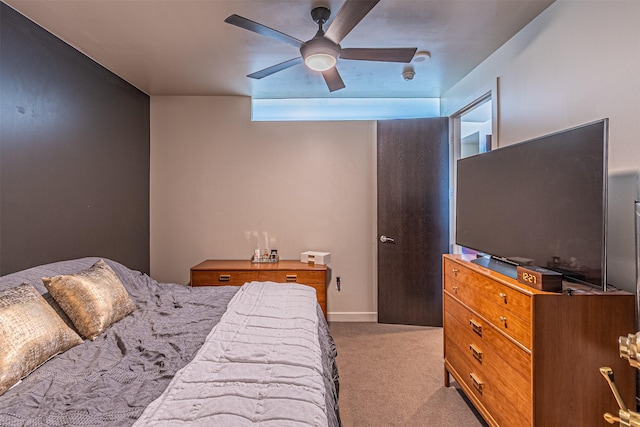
x,y
256,354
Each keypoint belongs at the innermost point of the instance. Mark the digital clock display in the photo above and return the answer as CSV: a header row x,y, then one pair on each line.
x,y
530,278
540,278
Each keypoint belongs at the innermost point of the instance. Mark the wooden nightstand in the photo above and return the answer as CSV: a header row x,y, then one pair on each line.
x,y
238,272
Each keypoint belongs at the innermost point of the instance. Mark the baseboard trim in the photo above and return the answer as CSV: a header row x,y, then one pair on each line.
x,y
351,316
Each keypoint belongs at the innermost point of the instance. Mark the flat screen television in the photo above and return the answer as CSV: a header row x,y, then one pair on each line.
x,y
541,202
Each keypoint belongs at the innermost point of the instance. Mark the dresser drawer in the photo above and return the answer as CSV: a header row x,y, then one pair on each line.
x,y
468,282
506,308
486,388
476,330
514,326
501,373
222,278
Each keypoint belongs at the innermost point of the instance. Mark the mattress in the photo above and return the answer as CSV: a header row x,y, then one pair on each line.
x,y
110,381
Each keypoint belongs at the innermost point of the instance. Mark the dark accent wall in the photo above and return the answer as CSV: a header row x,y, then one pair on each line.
x,y
74,154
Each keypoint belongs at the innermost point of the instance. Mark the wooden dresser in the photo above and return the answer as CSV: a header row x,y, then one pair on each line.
x,y
238,272
525,357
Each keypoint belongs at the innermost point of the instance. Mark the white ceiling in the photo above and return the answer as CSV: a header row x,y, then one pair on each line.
x,y
184,47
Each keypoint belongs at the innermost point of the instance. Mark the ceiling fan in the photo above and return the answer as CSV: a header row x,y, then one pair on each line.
x,y
323,50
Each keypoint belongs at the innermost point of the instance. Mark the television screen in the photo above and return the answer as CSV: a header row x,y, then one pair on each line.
x,y
540,202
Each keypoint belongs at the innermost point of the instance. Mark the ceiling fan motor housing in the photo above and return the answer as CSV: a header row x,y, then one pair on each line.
x,y
320,15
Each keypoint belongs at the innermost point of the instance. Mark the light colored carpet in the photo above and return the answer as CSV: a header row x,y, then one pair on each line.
x,y
393,375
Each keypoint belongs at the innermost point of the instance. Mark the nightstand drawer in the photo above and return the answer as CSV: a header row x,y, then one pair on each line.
x,y
314,279
221,278
302,277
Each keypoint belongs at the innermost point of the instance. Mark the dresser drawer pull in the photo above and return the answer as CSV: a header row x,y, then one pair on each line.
x,y
503,296
455,271
224,278
504,321
455,289
476,382
477,327
292,277
476,352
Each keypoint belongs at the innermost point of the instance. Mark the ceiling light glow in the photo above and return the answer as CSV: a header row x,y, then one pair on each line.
x,y
320,54
320,61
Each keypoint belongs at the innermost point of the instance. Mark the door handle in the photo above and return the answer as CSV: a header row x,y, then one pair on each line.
x,y
385,239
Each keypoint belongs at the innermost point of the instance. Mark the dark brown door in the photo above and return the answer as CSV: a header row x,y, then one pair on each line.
x,y
413,219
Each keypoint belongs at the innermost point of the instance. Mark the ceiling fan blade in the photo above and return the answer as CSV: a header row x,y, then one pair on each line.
x,y
275,68
402,54
250,25
351,12
333,79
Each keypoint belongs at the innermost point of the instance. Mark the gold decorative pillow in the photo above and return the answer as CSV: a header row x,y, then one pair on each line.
x,y
93,299
31,332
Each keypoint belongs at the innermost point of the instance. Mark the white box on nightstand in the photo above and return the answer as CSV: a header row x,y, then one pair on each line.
x,y
320,258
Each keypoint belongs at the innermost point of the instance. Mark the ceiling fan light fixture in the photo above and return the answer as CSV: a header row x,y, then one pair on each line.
x,y
320,54
320,61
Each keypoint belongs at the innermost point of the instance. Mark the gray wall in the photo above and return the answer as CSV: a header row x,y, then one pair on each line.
x,y
74,154
545,79
222,186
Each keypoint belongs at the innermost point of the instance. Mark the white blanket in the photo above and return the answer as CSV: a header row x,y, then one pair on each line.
x,y
261,365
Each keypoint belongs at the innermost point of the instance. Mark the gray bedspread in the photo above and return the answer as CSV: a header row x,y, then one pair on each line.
x,y
110,381
260,365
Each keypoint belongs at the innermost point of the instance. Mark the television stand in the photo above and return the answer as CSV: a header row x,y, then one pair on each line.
x,y
499,266
531,358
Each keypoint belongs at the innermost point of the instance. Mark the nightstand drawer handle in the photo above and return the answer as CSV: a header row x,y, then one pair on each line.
x,y
224,278
477,353
292,277
477,327
476,382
